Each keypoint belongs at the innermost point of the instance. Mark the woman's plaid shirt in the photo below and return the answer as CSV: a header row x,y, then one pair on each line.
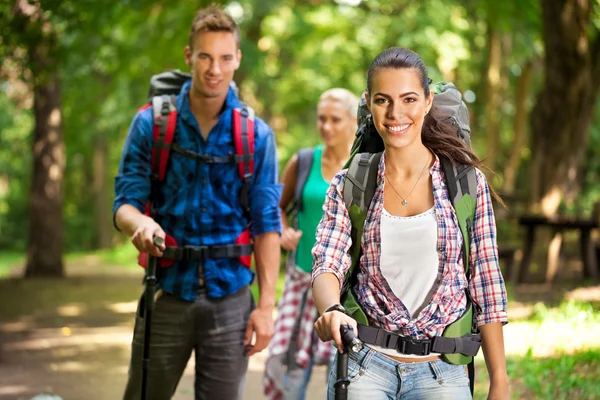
x,y
383,307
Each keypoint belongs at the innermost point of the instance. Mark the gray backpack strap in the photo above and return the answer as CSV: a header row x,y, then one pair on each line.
x,y
305,159
361,180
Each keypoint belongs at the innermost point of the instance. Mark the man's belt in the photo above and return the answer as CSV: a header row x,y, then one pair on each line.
x,y
467,345
200,253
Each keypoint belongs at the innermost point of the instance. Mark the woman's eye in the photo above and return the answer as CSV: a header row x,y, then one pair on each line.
x,y
380,100
410,99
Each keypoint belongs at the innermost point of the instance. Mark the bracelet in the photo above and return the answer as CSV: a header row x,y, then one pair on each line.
x,y
336,307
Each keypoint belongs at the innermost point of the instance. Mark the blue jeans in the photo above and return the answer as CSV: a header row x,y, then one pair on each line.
x,y
296,381
374,376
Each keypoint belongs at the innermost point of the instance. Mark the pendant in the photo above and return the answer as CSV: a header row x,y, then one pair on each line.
x,y
404,203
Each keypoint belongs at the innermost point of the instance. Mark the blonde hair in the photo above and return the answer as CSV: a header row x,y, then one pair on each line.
x,y
213,19
348,99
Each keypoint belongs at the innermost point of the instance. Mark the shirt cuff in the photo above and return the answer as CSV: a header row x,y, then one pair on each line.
x,y
264,213
489,318
326,270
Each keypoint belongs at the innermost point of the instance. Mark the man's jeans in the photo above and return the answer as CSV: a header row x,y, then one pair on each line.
x,y
374,376
212,328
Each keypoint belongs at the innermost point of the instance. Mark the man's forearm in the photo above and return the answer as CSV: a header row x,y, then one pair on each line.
x,y
127,218
267,257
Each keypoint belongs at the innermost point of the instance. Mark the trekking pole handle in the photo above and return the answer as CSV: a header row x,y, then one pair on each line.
x,y
158,241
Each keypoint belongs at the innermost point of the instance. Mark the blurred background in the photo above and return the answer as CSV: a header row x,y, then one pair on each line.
x,y
73,73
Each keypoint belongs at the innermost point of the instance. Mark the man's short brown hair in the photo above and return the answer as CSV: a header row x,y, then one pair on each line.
x,y
213,19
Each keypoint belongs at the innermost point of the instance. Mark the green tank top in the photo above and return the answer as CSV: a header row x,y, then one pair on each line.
x,y
313,197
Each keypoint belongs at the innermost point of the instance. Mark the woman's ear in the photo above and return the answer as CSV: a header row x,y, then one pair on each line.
x,y
368,100
429,103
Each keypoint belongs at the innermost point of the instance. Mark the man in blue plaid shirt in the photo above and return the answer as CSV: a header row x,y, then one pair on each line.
x,y
204,307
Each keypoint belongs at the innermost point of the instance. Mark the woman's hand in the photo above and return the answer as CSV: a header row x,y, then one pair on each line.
x,y
499,389
290,238
328,327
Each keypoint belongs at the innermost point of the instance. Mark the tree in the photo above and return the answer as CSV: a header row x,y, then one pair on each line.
x,y
563,112
37,35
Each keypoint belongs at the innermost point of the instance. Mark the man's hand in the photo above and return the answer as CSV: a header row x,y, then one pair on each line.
x,y
290,238
143,237
261,327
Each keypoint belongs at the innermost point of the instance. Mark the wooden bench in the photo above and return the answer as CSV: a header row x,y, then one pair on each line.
x,y
559,224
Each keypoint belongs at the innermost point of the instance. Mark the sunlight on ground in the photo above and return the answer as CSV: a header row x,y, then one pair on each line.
x,y
123,308
12,390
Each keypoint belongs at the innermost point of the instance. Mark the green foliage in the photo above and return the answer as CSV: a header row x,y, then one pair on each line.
x,y
292,52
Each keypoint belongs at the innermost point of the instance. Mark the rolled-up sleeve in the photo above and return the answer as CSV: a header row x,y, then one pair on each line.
x,y
132,183
330,252
265,192
487,283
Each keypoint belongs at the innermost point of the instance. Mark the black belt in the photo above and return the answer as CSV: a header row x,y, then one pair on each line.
x,y
467,345
200,253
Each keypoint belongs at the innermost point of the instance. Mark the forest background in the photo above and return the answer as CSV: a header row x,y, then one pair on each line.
x,y
73,73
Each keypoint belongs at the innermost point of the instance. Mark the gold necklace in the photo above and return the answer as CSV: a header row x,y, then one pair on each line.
x,y
404,200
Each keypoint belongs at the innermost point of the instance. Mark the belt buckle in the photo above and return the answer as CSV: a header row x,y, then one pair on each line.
x,y
407,345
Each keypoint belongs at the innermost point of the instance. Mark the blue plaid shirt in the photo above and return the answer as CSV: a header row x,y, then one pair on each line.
x,y
197,203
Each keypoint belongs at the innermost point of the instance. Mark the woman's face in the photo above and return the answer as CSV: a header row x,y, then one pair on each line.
x,y
398,104
335,124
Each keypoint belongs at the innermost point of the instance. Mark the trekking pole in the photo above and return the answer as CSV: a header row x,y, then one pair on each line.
x,y
148,309
350,343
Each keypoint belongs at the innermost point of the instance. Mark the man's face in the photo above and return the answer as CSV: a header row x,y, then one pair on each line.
x,y
214,59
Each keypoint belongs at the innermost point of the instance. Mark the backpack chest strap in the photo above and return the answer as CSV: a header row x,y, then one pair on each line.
x,y
209,159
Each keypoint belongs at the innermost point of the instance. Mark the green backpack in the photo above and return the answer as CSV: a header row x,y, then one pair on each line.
x,y
359,188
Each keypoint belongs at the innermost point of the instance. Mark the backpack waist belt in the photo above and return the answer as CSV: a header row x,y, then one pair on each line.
x,y
200,253
467,345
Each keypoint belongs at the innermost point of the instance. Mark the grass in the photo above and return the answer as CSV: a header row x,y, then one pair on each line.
x,y
562,376
8,260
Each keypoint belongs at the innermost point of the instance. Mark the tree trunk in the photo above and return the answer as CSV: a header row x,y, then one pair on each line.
x,y
45,246
493,97
562,115
520,130
101,194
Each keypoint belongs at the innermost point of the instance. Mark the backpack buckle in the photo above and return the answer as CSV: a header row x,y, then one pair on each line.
x,y
408,345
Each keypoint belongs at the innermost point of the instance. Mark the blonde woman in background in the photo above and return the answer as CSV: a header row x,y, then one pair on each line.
x,y
295,348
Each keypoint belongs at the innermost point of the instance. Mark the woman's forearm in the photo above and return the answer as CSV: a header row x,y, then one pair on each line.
x,y
493,351
326,291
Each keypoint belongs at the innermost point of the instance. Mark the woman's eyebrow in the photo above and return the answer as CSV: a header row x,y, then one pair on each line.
x,y
402,95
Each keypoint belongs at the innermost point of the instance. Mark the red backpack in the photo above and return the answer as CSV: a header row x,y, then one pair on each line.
x,y
162,98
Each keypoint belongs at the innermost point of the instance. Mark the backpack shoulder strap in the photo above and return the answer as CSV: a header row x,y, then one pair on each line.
x,y
163,131
305,160
360,181
461,181
243,139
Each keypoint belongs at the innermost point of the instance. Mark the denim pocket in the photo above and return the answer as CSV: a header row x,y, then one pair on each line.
x,y
447,374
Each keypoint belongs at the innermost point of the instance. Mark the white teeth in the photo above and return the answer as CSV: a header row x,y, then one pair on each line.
x,y
398,128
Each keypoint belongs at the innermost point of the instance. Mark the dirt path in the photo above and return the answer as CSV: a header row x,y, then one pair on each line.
x,y
71,337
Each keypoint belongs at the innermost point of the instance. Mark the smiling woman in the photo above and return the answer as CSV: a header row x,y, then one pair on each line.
x,y
408,281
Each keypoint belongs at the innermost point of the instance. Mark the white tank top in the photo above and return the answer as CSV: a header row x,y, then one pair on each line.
x,y
409,261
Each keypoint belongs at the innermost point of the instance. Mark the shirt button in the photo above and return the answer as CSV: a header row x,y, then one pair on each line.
x,y
204,182
201,282
203,209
